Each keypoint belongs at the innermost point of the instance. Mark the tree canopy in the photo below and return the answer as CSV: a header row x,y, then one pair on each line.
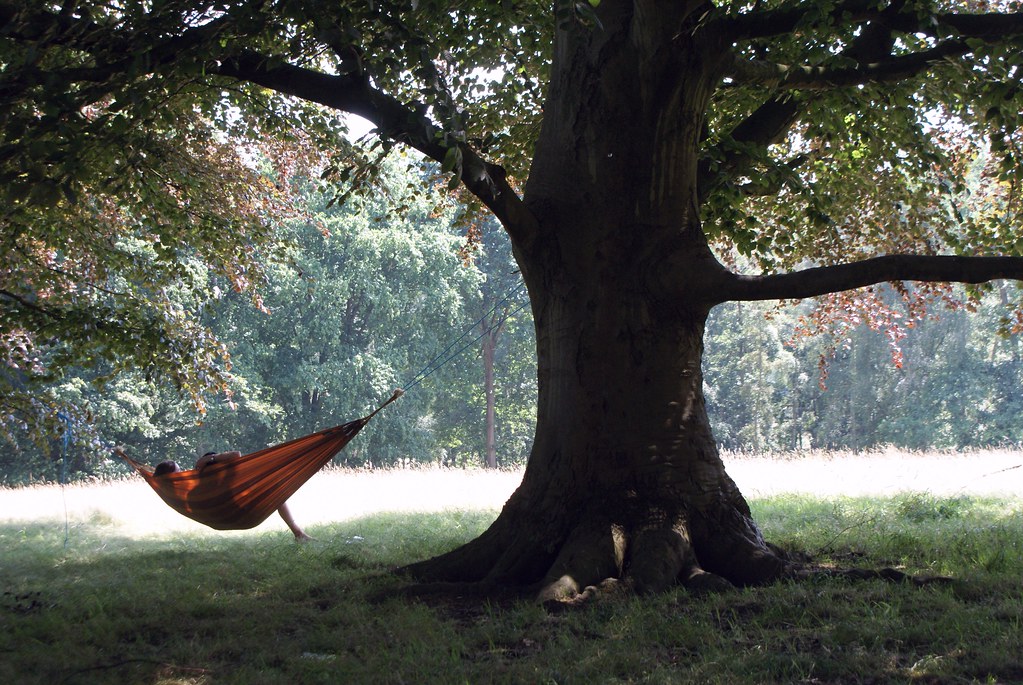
x,y
835,130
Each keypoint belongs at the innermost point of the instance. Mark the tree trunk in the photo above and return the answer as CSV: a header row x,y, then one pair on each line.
x,y
489,349
624,480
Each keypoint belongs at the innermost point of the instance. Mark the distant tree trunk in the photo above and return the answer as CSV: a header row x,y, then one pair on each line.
x,y
624,479
312,401
1013,340
796,433
760,416
489,349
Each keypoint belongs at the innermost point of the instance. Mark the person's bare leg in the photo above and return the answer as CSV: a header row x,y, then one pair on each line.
x,y
285,513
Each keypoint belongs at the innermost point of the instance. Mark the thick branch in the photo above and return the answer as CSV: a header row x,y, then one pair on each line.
x,y
47,28
24,303
394,120
894,69
770,122
766,125
991,26
951,30
113,54
785,19
832,279
349,92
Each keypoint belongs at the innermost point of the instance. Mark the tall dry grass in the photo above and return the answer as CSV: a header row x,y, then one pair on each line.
x,y
343,494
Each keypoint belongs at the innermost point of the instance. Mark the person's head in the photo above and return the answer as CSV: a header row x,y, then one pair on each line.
x,y
166,467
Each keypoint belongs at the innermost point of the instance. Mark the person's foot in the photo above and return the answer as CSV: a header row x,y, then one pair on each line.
x,y
302,537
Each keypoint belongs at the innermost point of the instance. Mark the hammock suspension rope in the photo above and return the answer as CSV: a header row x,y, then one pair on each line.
x,y
450,352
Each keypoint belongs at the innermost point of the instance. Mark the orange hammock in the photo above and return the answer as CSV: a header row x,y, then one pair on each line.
x,y
241,493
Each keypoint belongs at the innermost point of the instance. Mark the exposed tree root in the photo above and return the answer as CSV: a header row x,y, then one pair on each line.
x,y
565,556
610,587
592,553
595,559
594,565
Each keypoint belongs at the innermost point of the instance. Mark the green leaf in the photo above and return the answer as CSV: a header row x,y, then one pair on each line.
x,y
452,160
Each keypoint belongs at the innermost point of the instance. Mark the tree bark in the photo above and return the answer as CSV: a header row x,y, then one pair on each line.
x,y
489,349
624,480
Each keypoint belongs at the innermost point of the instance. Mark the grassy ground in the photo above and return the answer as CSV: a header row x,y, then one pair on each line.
x,y
95,601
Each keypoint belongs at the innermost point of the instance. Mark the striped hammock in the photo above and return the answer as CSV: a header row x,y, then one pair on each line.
x,y
241,493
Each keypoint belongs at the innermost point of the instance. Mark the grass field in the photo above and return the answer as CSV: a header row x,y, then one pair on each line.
x,y
104,584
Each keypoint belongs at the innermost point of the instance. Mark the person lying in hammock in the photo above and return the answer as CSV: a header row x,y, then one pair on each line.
x,y
170,466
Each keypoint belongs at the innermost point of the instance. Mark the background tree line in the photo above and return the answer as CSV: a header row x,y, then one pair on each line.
x,y
368,293
374,290
951,382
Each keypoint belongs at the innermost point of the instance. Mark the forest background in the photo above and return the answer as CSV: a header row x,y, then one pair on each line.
x,y
370,294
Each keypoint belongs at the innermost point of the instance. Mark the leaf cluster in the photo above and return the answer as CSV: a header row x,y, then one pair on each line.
x,y
121,200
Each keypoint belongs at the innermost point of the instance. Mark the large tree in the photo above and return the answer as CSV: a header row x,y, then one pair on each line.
x,y
616,142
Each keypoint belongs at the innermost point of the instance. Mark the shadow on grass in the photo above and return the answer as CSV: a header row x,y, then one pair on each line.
x,y
105,607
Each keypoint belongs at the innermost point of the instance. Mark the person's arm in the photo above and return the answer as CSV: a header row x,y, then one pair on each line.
x,y
207,459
